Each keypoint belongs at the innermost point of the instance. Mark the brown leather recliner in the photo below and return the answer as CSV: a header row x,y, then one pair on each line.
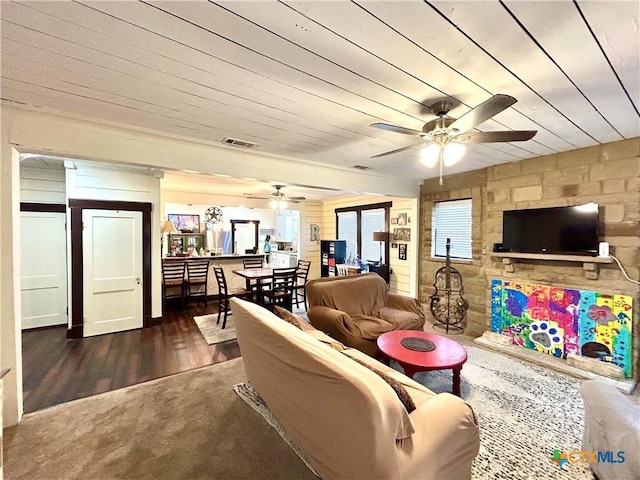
x,y
357,309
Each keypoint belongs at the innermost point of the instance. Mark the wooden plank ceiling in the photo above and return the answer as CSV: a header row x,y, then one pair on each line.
x,y
306,79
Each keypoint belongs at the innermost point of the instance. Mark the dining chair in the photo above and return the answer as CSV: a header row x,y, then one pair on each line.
x,y
302,274
197,276
172,281
282,289
255,285
341,270
224,294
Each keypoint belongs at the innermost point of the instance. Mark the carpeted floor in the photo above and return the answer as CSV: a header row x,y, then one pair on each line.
x,y
193,426
186,426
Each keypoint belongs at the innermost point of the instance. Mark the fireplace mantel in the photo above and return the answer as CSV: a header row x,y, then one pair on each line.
x,y
589,264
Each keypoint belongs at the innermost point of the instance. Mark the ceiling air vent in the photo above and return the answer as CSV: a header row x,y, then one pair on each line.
x,y
361,167
238,143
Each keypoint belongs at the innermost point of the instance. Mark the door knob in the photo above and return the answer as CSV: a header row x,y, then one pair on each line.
x,y
138,280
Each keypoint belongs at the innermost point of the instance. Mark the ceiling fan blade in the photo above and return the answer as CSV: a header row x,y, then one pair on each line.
x,y
258,198
482,112
400,150
397,129
296,198
489,137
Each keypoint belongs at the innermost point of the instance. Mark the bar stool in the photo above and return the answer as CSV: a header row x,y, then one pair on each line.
x,y
197,276
224,295
172,280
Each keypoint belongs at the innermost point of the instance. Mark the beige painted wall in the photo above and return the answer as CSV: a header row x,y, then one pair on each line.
x,y
608,175
403,279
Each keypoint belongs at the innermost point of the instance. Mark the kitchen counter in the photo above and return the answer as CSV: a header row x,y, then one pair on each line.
x,y
216,257
228,264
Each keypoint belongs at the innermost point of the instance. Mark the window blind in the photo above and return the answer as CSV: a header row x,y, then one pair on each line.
x,y
451,219
372,221
348,230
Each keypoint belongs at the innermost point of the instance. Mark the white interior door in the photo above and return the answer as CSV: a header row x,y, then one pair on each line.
x,y
43,264
112,269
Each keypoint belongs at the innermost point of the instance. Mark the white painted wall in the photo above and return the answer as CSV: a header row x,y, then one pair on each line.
x,y
96,181
42,185
10,307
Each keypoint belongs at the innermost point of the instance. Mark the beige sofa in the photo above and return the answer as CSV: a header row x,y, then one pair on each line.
x,y
346,418
357,309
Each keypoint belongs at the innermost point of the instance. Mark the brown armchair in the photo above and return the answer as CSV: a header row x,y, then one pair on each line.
x,y
357,309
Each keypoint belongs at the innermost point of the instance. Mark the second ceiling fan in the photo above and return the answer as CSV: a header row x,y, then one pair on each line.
x,y
441,137
278,200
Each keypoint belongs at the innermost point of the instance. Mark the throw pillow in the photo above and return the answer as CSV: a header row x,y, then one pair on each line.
x,y
289,317
401,392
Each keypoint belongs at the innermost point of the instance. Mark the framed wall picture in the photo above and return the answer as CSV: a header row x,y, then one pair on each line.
x,y
394,221
402,219
185,223
402,234
402,251
394,245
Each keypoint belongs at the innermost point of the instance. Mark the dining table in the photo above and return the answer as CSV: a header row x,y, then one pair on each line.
x,y
258,274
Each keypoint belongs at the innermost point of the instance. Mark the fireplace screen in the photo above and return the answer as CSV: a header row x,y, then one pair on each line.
x,y
559,321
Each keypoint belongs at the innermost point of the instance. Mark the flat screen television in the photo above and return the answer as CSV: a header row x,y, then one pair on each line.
x,y
560,230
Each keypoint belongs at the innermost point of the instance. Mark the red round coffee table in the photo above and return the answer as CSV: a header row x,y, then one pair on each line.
x,y
446,354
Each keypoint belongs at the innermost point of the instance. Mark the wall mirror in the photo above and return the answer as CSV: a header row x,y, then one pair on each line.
x,y
244,236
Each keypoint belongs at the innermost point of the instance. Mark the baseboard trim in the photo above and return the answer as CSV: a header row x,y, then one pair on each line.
x,y
74,332
153,321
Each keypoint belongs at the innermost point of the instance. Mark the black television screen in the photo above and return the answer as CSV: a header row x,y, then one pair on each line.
x,y
565,230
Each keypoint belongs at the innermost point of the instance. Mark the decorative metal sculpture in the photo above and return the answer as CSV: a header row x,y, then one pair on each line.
x,y
448,306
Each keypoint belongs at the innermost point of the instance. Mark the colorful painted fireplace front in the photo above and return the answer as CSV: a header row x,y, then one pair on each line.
x,y
560,321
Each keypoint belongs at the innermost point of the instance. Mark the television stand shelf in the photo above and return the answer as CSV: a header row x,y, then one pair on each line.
x,y
589,264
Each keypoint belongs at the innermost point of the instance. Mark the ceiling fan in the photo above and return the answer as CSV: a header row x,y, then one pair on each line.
x,y
278,200
443,137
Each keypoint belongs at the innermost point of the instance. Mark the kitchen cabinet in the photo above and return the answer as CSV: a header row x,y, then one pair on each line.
x,y
286,225
283,260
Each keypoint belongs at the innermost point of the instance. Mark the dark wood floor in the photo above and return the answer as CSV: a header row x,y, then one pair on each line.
x,y
57,370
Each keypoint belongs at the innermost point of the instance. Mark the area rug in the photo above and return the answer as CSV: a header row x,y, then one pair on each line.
x,y
525,413
212,332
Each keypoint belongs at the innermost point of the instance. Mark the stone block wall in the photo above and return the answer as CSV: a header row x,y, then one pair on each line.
x,y
608,175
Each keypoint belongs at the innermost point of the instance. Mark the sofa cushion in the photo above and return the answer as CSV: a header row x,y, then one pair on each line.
x,y
371,327
402,319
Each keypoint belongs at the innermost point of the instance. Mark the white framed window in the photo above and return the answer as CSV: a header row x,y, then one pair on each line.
x,y
451,219
348,230
357,225
372,221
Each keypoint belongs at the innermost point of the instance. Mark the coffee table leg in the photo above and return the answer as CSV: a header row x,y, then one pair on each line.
x,y
409,371
456,381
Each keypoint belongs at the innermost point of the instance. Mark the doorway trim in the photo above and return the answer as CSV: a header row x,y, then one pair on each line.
x,y
77,274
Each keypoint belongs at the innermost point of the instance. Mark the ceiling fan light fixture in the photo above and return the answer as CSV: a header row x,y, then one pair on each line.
x,y
429,155
278,204
453,152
